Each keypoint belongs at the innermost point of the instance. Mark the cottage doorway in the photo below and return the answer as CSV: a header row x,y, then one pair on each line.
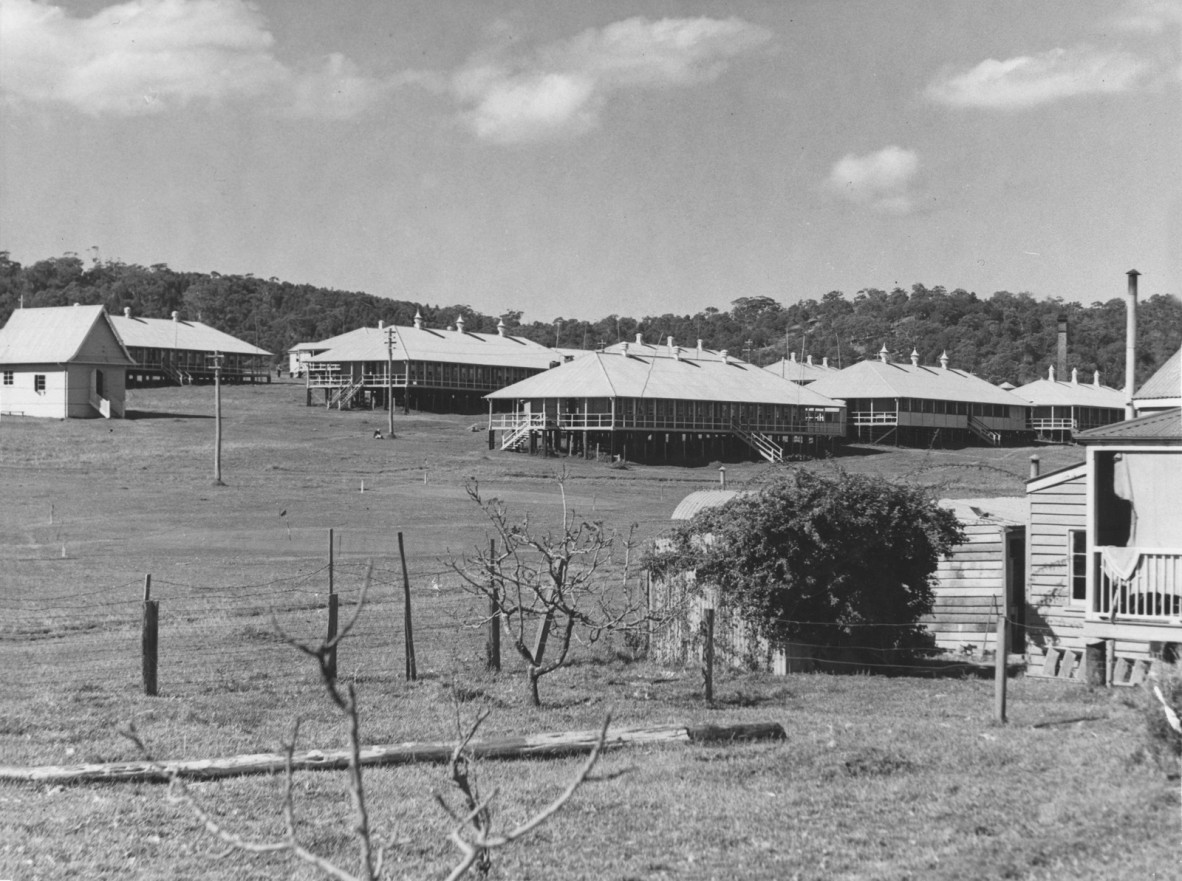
x,y
1015,562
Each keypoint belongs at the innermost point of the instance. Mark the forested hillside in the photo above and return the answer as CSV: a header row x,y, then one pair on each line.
x,y
1005,336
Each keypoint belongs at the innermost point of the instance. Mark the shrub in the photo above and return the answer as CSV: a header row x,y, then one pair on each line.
x,y
826,560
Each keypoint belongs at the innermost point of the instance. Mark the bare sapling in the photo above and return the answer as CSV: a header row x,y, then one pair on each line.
x,y
550,585
473,834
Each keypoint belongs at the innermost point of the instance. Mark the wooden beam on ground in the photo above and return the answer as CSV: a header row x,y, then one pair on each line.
x,y
537,746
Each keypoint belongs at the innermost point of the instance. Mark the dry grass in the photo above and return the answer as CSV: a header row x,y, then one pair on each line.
x,y
879,778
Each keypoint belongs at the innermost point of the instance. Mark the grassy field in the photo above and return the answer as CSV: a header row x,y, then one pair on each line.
x,y
880,778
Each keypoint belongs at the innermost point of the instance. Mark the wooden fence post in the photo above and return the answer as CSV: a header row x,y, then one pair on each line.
x,y
412,672
493,645
708,655
151,634
999,673
333,610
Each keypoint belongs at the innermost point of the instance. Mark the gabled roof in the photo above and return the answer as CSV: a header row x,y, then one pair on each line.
x,y
1164,426
425,344
800,371
1056,477
1166,383
173,333
53,334
876,379
615,375
1053,393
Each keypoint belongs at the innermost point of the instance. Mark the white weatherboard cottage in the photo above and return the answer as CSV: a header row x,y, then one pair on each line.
x,y
62,362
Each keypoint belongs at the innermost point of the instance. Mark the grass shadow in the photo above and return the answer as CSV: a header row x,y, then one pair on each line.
x,y
137,415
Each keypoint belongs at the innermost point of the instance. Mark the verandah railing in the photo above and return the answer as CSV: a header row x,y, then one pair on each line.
x,y
1141,583
606,422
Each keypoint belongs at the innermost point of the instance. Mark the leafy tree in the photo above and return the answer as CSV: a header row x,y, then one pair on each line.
x,y
826,560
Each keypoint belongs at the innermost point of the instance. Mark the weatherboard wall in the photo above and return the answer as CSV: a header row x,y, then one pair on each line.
x,y
1056,507
970,590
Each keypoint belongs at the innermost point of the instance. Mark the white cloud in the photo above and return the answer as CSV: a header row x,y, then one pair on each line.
x,y
1149,16
879,180
149,56
1030,80
560,89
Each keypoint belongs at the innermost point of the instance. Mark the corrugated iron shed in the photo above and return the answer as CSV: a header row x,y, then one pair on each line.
x,y
703,499
616,375
876,379
173,333
51,335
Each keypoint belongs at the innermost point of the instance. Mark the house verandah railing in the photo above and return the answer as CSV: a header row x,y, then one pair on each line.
x,y
664,435
185,367
1138,583
423,375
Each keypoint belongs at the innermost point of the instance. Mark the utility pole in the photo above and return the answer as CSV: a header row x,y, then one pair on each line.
x,y
390,378
216,359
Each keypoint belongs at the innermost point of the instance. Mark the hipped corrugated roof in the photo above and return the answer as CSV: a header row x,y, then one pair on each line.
x,y
1165,383
663,350
1162,427
875,379
611,375
180,335
425,344
50,335
800,371
1053,393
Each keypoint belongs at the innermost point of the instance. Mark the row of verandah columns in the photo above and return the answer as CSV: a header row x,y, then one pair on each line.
x,y
649,446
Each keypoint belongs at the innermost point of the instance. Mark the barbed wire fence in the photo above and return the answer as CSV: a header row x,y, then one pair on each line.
x,y
218,635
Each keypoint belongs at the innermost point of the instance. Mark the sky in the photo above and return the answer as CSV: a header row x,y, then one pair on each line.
x,y
579,159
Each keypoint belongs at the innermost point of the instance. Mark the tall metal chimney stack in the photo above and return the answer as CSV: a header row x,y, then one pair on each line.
x,y
1131,343
1061,369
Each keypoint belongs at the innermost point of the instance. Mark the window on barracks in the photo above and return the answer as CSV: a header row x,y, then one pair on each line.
x,y
39,382
8,377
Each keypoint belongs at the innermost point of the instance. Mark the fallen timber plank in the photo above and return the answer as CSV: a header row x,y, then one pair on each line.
x,y
549,745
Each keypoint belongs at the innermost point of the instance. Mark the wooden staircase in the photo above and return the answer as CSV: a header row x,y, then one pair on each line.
x,y
984,432
344,396
761,443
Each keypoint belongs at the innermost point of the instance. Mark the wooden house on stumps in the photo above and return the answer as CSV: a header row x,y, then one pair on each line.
x,y
920,405
651,403
1059,410
173,351
443,371
1105,598
62,362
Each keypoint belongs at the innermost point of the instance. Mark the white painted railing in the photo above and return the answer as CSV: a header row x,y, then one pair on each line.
x,y
624,420
1143,583
1051,424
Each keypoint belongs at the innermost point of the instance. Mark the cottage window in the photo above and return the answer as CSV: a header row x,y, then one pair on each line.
x,y
1077,557
8,377
39,383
